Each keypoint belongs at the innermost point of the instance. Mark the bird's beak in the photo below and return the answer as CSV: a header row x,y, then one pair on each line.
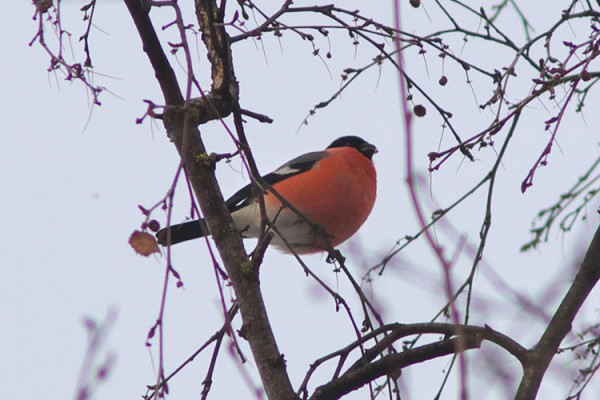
x,y
368,150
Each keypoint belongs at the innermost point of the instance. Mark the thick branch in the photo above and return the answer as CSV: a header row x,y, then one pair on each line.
x,y
181,123
162,68
391,333
217,43
392,364
539,358
224,92
243,275
394,332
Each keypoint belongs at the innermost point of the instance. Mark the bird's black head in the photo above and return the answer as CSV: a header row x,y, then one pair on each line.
x,y
359,144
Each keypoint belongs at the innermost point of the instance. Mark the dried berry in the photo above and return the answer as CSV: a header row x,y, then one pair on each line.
x,y
420,110
153,225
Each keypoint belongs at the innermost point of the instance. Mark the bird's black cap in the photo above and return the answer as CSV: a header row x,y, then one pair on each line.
x,y
358,143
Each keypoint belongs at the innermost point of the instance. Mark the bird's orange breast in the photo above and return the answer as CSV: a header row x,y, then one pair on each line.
x,y
338,194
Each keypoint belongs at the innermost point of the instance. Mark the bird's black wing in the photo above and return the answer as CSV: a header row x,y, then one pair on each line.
x,y
296,166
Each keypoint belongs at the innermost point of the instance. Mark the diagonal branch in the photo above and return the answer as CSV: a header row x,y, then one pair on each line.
x,y
162,68
365,369
181,123
539,358
391,365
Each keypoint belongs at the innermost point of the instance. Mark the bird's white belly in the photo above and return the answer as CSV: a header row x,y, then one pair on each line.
x,y
296,231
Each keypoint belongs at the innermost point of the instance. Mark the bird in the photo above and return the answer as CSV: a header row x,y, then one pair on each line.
x,y
328,195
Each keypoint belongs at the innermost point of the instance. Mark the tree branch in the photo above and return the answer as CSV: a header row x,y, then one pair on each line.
x,y
224,93
392,333
539,358
162,68
181,123
391,365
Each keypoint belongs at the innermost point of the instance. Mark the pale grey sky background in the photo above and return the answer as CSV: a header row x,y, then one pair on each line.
x,y
74,174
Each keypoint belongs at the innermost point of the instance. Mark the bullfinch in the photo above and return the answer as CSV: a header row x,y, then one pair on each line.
x,y
334,190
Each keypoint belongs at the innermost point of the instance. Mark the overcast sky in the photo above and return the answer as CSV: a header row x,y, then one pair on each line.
x,y
74,174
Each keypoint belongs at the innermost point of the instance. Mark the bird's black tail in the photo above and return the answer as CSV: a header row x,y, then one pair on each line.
x,y
182,232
